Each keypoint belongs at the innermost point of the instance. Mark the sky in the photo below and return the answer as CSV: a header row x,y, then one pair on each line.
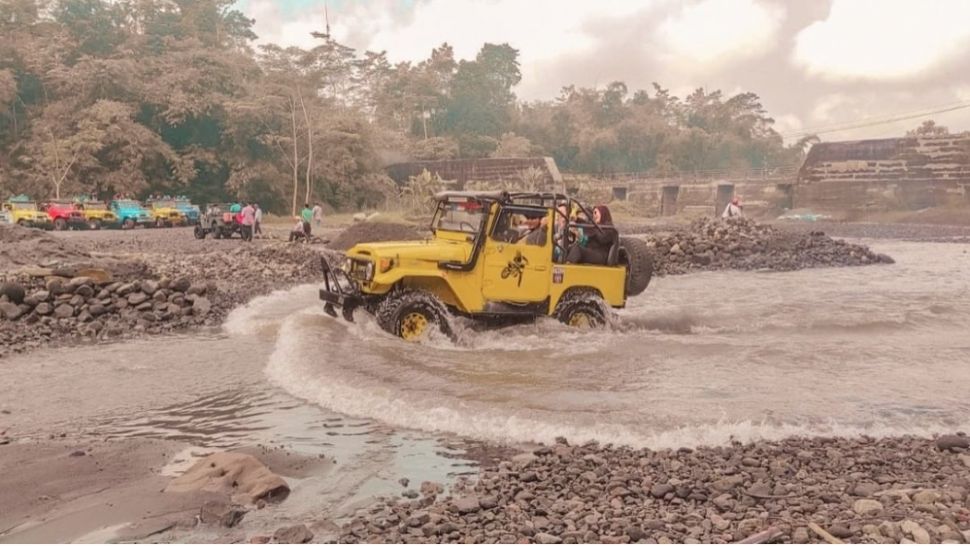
x,y
833,67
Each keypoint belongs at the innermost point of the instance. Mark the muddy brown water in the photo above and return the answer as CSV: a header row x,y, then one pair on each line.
x,y
697,359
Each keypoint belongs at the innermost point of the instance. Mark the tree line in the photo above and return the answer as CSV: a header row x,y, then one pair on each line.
x,y
175,96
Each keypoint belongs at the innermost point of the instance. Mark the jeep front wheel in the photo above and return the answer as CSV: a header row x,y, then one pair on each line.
x,y
582,309
412,315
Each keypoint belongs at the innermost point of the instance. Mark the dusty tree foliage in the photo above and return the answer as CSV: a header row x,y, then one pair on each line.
x,y
103,96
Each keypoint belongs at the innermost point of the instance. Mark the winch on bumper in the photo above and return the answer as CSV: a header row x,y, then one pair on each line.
x,y
340,289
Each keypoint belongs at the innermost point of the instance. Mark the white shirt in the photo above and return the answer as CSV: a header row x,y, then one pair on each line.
x,y
259,215
731,211
318,212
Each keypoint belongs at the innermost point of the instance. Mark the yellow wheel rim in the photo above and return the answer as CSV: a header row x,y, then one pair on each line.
x,y
413,326
581,319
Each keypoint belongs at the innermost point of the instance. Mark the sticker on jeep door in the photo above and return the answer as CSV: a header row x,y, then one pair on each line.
x,y
557,275
516,267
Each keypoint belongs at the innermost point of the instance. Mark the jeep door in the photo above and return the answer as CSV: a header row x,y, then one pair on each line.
x,y
517,260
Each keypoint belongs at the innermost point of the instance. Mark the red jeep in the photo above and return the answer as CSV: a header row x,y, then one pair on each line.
x,y
65,215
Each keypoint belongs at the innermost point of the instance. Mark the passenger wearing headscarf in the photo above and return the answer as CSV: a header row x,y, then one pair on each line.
x,y
599,240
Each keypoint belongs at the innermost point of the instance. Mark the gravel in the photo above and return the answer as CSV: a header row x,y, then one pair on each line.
x,y
117,285
743,244
861,490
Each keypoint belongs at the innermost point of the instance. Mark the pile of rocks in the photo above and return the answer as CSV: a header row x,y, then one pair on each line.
x,y
37,310
797,490
741,243
372,232
163,293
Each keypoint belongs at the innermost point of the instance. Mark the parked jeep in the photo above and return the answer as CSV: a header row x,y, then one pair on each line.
x,y
64,215
131,213
26,213
166,213
191,212
220,220
97,215
473,266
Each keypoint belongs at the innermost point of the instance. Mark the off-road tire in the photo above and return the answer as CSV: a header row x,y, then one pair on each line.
x,y
94,224
128,224
216,231
581,305
636,255
199,232
60,224
400,304
159,223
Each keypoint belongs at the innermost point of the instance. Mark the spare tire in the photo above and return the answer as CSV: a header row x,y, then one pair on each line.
x,y
636,255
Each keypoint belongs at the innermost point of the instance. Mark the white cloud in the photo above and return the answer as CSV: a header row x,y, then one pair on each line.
x,y
885,39
718,32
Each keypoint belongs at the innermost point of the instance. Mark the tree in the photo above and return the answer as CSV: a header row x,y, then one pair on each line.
x,y
512,145
481,98
928,128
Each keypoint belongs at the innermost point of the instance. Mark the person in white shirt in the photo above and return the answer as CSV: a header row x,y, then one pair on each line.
x,y
257,230
317,214
297,233
733,209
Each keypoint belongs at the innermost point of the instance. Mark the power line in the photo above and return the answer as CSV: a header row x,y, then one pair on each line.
x,y
874,122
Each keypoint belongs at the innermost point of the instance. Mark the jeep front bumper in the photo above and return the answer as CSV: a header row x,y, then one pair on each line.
x,y
339,291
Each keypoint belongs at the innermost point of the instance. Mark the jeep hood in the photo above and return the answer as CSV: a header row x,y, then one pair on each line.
x,y
432,251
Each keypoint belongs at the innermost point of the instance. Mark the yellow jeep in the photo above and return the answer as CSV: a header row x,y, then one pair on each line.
x,y
27,214
483,262
165,212
98,215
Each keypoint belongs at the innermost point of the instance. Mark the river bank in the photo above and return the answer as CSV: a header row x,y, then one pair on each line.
x,y
859,367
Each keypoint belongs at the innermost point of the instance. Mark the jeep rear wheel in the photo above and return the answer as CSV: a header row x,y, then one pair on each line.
x,y
60,224
582,309
412,315
129,223
635,254
216,231
199,232
94,224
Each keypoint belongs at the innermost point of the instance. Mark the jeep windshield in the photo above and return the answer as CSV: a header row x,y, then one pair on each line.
x,y
94,206
461,214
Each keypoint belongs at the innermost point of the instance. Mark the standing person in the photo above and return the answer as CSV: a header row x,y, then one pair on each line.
x,y
307,215
733,209
317,214
259,221
248,218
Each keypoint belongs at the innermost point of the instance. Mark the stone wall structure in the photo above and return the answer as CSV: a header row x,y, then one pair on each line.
x,y
886,174
486,170
839,178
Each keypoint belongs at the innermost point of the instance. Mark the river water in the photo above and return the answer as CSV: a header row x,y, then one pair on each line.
x,y
697,359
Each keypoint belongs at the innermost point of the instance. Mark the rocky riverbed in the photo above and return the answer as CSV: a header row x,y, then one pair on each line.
x,y
739,243
95,286
101,286
864,490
